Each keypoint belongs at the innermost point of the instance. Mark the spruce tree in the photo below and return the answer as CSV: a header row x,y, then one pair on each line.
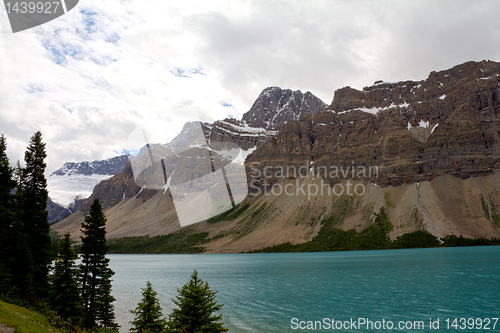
x,y
197,307
34,214
21,264
64,297
95,274
105,310
148,316
7,216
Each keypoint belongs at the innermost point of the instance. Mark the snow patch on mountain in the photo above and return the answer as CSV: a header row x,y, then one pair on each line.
x,y
375,110
64,189
77,180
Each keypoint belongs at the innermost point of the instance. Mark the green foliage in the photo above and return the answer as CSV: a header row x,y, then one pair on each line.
x,y
148,316
94,271
184,240
454,241
197,307
34,215
416,239
374,237
485,207
7,217
495,216
229,215
55,243
259,210
64,296
104,308
5,278
24,320
25,254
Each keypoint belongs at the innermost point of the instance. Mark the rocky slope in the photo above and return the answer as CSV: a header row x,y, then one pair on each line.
x,y
427,151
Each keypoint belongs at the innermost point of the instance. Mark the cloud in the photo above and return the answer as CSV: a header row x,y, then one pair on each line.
x,y
87,79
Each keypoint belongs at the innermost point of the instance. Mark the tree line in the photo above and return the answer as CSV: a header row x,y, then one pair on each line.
x,y
36,273
30,272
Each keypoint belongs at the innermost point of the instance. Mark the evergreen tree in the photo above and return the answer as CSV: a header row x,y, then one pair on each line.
x,y
105,310
22,263
64,296
7,184
197,307
148,316
34,214
95,274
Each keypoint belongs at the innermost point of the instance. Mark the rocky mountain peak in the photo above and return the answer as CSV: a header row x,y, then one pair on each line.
x,y
276,106
103,167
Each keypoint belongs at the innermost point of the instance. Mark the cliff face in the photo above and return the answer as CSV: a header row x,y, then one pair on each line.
x,y
411,131
430,152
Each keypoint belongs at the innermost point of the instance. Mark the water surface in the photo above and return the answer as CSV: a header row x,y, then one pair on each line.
x,y
263,292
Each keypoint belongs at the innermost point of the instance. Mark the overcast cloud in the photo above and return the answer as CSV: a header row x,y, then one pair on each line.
x,y
88,78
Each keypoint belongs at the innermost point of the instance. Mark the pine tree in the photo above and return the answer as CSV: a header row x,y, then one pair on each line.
x,y
148,316
7,184
34,214
95,274
105,310
197,307
64,296
21,264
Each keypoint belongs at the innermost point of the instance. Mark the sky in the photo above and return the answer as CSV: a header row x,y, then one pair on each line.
x,y
87,79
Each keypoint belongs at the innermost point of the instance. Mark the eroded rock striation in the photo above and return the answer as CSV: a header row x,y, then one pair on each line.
x,y
411,131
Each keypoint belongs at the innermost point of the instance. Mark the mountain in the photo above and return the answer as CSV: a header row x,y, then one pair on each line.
x,y
77,180
427,151
56,212
412,131
275,107
73,182
231,131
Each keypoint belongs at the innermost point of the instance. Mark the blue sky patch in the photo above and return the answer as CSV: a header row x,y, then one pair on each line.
x,y
226,104
34,88
187,72
58,52
89,19
132,152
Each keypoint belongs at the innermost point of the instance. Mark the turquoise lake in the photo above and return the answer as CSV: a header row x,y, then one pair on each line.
x,y
265,292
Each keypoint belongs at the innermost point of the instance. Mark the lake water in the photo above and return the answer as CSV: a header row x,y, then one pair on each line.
x,y
264,292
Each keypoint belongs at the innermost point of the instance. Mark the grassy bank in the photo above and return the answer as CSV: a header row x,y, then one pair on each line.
x,y
24,320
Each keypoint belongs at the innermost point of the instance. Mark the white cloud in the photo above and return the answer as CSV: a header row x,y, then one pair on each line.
x,y
87,79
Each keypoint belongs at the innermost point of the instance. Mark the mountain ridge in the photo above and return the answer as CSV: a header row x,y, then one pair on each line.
x,y
435,143
69,185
